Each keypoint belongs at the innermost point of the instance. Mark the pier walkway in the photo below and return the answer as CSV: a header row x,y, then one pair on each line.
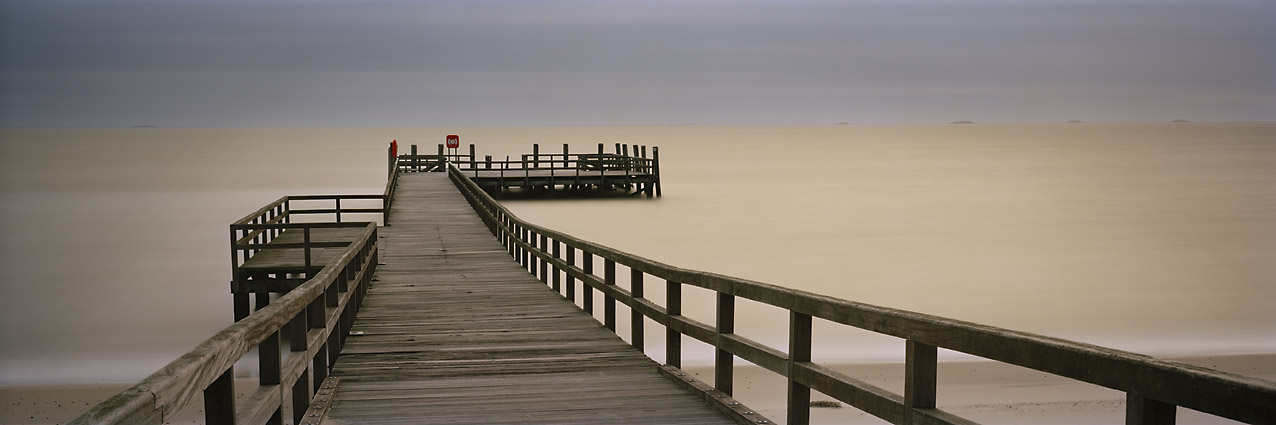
x,y
454,331
457,311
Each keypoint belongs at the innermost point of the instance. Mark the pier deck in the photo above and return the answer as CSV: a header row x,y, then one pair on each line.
x,y
293,260
455,331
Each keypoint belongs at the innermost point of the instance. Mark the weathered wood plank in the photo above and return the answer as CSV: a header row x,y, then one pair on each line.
x,y
455,331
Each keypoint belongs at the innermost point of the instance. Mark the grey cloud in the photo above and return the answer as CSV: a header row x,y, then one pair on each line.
x,y
253,63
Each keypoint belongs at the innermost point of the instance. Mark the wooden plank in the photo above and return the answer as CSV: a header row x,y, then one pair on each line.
x,y
455,331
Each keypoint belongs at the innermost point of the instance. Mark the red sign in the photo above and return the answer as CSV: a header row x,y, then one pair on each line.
x,y
453,141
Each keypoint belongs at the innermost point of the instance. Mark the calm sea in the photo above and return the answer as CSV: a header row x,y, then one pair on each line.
x,y
1156,238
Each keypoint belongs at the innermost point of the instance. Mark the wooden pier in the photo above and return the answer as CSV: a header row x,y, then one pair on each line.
x,y
454,332
550,172
460,312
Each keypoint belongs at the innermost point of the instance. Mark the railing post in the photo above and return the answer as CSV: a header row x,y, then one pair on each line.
x,y
219,399
472,166
300,396
518,249
655,168
571,281
635,316
530,239
609,302
318,320
536,155
416,161
527,173
558,284
338,208
299,327
920,367
305,242
565,156
543,248
506,238
673,339
270,368
587,291
799,404
269,360
1140,410
722,374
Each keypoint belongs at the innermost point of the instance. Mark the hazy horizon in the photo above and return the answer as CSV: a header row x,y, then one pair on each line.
x,y
253,63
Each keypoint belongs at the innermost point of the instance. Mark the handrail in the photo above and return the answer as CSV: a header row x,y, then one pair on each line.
x,y
316,317
387,197
1154,387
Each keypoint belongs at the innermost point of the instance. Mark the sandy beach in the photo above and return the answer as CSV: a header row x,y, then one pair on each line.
x,y
986,392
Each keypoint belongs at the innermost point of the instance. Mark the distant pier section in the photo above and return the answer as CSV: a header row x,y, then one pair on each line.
x,y
626,168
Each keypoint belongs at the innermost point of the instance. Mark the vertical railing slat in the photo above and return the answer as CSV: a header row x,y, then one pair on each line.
x,y
571,281
673,339
635,316
270,367
219,399
920,367
799,396
609,302
557,280
722,374
542,249
587,291
1140,410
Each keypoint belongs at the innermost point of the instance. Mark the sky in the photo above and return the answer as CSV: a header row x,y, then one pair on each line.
x,y
292,63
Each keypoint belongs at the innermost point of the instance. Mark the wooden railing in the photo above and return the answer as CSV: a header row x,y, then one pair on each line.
x,y
258,231
312,320
1153,387
387,198
622,160
618,169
